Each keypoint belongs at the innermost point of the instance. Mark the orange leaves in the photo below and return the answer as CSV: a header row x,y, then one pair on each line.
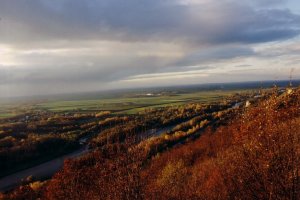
x,y
255,156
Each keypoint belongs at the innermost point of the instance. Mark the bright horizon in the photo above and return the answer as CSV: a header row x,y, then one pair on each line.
x,y
69,46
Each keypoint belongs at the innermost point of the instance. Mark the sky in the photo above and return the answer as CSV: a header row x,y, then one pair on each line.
x,y
66,46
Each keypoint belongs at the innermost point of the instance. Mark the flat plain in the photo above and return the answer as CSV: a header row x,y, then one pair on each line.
x,y
124,104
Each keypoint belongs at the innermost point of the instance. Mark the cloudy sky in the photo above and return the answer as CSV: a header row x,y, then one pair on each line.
x,y
57,46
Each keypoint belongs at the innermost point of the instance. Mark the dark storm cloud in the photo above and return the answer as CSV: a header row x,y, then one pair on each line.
x,y
139,20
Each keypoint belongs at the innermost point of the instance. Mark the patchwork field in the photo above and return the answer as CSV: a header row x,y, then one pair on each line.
x,y
120,105
132,105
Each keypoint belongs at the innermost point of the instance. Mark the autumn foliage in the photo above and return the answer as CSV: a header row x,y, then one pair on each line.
x,y
253,155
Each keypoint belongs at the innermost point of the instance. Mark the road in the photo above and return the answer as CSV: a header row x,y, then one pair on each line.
x,y
41,171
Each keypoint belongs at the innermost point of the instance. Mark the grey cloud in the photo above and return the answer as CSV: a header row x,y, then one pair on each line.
x,y
268,3
243,66
207,33
140,20
78,74
5,75
215,54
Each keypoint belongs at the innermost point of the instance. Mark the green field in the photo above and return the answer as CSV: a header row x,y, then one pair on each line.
x,y
134,104
6,115
118,105
7,111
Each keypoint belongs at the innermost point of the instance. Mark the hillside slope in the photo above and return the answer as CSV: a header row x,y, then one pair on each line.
x,y
254,155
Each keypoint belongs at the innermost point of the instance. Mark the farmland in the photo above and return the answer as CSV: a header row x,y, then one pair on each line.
x,y
120,105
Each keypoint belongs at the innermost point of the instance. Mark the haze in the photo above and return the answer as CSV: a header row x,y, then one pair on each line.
x,y
58,46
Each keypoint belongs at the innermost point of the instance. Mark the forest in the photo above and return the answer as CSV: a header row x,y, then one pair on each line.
x,y
237,148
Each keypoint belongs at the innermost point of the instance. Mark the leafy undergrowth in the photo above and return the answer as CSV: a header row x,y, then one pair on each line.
x,y
255,156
